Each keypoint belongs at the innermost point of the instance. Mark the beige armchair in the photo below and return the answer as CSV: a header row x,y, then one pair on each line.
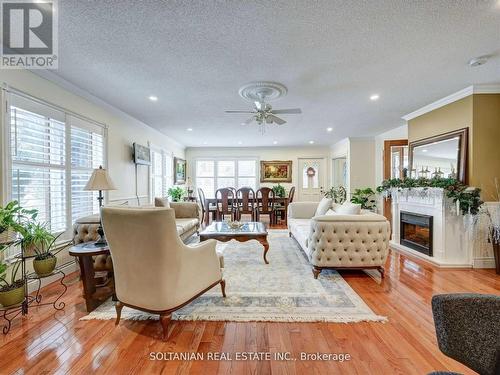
x,y
154,270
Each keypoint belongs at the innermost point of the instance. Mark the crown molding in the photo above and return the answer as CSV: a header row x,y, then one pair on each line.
x,y
470,90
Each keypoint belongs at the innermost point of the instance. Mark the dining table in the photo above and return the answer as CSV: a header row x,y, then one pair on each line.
x,y
278,201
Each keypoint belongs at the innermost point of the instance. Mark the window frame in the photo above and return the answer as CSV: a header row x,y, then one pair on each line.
x,y
166,174
236,176
8,163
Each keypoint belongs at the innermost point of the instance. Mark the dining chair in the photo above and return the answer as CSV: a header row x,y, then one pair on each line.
x,y
245,198
265,203
205,213
225,198
281,208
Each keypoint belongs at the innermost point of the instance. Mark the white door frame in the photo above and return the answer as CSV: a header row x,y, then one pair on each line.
x,y
324,175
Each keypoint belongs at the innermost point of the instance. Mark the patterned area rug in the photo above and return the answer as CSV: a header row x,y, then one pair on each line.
x,y
282,291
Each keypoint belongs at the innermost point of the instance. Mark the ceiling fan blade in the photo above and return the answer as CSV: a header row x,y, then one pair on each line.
x,y
248,121
276,119
287,111
231,111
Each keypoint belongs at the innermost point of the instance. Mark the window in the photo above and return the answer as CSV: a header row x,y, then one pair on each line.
x,y
161,172
48,147
215,174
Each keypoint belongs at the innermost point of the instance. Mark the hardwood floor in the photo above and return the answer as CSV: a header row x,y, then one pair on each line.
x,y
47,342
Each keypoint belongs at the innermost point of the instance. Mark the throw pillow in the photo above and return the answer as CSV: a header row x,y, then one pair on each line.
x,y
162,202
330,212
349,208
323,206
335,206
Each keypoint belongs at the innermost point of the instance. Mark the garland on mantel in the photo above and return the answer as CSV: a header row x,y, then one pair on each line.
x,y
468,198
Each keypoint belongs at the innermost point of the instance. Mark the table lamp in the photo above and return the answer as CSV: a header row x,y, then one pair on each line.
x,y
99,181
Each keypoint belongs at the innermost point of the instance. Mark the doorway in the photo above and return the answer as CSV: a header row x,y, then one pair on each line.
x,y
311,179
395,166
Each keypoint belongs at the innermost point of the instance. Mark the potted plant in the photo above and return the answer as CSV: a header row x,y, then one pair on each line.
x,y
364,197
12,218
11,292
35,236
279,191
337,194
493,213
45,259
176,193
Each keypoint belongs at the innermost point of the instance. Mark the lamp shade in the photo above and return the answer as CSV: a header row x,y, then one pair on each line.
x,y
99,180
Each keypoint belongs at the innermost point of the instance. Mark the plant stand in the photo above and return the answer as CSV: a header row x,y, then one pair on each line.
x,y
11,312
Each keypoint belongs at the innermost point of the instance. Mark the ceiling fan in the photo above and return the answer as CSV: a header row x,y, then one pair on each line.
x,y
263,113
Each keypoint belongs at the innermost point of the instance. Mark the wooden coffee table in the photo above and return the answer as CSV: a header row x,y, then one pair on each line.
x,y
221,231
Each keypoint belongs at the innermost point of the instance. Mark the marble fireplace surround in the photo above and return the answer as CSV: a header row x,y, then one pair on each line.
x,y
452,243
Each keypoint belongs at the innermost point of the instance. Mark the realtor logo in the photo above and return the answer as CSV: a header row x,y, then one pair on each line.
x,y
29,34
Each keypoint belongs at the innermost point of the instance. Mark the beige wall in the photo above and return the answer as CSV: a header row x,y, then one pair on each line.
x,y
481,114
123,130
486,149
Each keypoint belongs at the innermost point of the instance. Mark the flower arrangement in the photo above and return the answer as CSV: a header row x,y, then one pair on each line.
x,y
466,198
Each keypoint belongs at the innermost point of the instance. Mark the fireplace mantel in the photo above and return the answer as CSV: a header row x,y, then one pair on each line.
x,y
452,243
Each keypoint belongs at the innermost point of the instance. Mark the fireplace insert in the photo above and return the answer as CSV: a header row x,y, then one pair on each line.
x,y
416,232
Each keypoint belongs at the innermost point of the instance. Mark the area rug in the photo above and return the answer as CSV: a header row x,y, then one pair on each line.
x,y
282,291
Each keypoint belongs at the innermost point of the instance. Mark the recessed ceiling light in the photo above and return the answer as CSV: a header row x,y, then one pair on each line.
x,y
374,97
240,142
478,61
424,150
311,142
205,142
153,98
329,129
189,129
275,142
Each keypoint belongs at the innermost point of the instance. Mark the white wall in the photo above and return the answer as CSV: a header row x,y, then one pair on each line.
x,y
262,153
123,130
361,166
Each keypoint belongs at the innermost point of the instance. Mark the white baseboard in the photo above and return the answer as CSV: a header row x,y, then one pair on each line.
x,y
483,262
405,250
66,268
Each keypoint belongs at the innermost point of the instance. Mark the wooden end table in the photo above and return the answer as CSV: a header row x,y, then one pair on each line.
x,y
221,231
93,294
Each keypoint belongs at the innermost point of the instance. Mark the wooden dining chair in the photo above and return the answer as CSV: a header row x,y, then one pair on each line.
x,y
280,210
245,198
225,198
265,203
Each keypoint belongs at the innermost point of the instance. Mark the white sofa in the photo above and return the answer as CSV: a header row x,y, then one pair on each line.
x,y
339,241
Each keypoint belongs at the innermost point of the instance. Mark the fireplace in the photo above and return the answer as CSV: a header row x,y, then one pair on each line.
x,y
416,232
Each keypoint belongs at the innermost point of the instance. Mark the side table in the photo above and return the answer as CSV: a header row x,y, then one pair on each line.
x,y
93,294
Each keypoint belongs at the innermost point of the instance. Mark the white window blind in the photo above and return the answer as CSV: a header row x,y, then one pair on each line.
x,y
38,145
87,153
161,172
48,147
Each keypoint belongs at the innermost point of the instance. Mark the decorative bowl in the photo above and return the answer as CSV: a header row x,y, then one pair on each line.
x,y
234,224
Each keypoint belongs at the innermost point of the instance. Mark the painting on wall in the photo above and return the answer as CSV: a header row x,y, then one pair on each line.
x,y
179,171
276,171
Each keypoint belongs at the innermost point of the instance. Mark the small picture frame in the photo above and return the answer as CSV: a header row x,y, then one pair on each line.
x,y
179,171
276,171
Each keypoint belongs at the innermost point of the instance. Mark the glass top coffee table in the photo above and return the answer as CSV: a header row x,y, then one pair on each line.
x,y
221,231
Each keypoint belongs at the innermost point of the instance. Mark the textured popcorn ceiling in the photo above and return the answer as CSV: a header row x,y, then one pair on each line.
x,y
332,55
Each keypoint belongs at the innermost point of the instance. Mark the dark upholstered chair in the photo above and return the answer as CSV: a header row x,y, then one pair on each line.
x,y
468,330
265,203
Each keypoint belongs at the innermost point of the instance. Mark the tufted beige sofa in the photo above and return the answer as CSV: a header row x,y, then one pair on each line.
x,y
340,241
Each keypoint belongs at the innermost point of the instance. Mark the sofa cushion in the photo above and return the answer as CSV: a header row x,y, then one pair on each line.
x,y
162,202
323,206
185,225
349,208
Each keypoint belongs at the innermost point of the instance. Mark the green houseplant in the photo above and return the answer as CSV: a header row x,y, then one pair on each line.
x,y
46,250
12,291
35,236
176,193
12,220
364,197
279,191
338,194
